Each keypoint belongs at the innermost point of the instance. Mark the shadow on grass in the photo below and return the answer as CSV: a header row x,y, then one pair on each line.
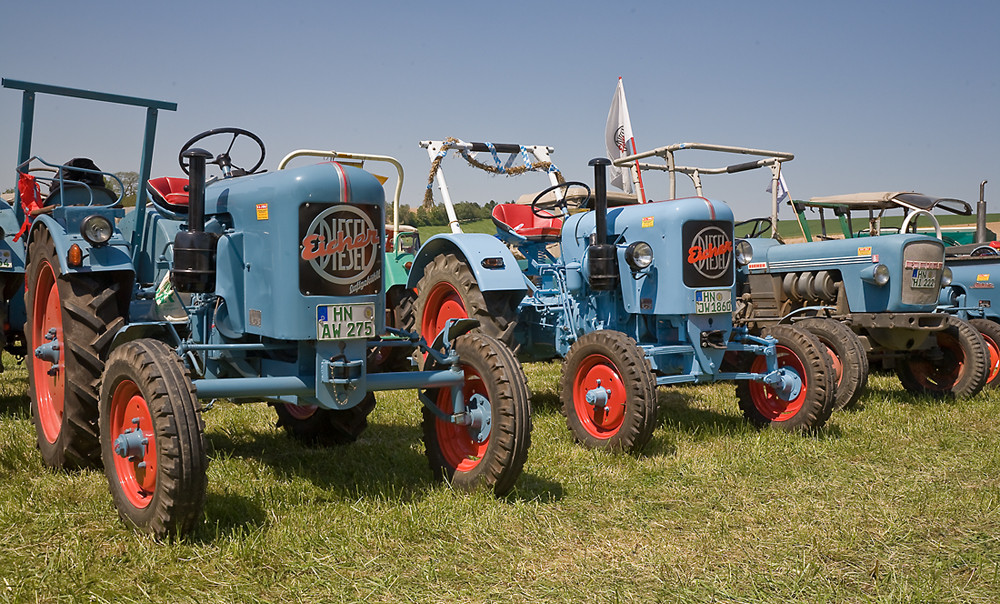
x,y
15,406
676,410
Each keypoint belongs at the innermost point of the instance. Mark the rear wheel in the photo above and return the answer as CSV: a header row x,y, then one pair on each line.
x,y
151,439
448,290
810,407
491,452
608,392
990,332
71,320
957,367
847,355
312,425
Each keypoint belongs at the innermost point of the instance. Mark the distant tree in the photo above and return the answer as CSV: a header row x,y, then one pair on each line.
x,y
8,191
130,180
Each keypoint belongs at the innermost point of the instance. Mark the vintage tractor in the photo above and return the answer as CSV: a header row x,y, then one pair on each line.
x,y
972,264
884,290
253,286
630,297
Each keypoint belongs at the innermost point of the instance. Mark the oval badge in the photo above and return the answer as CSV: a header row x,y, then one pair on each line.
x,y
340,249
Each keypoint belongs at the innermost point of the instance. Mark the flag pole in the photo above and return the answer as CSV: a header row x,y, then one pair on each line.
x,y
638,172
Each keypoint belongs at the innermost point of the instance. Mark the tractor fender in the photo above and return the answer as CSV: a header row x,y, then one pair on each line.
x,y
157,330
473,248
113,256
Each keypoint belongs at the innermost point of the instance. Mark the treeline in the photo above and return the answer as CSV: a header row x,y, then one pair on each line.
x,y
437,216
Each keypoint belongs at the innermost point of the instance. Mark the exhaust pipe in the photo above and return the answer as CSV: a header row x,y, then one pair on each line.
x,y
194,249
981,214
602,257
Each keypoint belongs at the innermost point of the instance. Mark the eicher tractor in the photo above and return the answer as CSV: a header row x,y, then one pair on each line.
x,y
630,297
865,299
971,258
250,286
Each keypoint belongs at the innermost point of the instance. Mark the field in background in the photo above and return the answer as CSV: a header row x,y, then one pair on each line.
x,y
896,501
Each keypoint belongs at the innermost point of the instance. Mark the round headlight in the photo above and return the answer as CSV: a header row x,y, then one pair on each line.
x,y
639,255
97,230
946,277
744,252
881,275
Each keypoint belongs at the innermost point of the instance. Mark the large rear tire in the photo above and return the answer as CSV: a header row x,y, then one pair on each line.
x,y
802,353
613,361
71,321
990,332
448,290
312,425
152,439
957,368
847,355
496,388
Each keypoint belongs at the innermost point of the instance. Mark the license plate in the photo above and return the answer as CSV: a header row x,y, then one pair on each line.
x,y
712,301
345,321
924,278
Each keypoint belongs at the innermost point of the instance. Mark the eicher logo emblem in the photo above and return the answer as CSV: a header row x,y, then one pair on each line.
x,y
620,138
341,248
711,252
707,248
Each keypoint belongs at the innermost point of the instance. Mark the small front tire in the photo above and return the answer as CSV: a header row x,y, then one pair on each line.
x,y
957,368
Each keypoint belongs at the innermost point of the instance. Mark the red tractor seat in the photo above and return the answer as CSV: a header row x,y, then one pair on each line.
x,y
520,220
169,192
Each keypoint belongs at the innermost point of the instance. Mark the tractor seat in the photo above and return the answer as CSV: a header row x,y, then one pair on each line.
x,y
170,193
79,182
520,220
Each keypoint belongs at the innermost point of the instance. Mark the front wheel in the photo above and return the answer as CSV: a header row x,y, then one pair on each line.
x,y
152,440
312,425
848,356
807,409
491,452
990,332
957,367
608,392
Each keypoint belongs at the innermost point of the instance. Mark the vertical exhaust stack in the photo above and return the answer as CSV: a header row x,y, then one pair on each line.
x,y
981,214
194,249
602,256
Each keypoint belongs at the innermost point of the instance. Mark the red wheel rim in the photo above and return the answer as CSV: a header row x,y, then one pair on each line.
x,y
769,404
301,412
137,482
838,366
458,448
994,349
602,422
49,387
941,376
443,303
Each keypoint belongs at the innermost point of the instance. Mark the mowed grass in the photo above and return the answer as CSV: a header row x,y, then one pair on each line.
x,y
896,501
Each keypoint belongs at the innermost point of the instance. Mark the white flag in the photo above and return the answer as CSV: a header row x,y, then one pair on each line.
x,y
782,189
618,137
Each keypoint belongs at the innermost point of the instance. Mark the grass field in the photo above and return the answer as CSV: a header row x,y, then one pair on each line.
x,y
898,501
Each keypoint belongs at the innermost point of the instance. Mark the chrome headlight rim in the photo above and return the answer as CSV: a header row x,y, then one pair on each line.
x,y
744,252
946,277
639,255
97,230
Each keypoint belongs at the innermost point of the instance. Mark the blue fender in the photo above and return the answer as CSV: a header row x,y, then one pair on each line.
x,y
111,257
473,248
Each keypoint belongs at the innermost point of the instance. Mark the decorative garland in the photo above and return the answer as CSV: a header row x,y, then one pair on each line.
x,y
497,168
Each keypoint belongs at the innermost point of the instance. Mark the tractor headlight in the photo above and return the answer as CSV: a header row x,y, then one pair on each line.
x,y
946,277
97,230
876,275
639,255
744,252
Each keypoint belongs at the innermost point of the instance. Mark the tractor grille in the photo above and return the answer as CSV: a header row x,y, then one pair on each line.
x,y
707,247
926,256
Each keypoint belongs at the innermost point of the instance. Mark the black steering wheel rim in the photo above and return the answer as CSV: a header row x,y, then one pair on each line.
x,y
223,160
761,227
536,208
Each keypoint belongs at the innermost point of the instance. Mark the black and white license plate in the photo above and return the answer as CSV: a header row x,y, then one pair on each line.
x,y
345,321
923,278
712,301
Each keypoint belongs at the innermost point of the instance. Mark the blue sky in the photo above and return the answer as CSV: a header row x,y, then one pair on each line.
x,y
867,95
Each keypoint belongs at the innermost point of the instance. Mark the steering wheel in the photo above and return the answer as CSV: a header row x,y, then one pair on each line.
x,y
984,250
537,206
225,163
761,226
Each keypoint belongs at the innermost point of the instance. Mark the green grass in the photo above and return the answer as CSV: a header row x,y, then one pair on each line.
x,y
896,501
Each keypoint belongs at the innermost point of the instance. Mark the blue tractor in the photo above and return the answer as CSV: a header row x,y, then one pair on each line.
x,y
249,286
871,299
630,297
